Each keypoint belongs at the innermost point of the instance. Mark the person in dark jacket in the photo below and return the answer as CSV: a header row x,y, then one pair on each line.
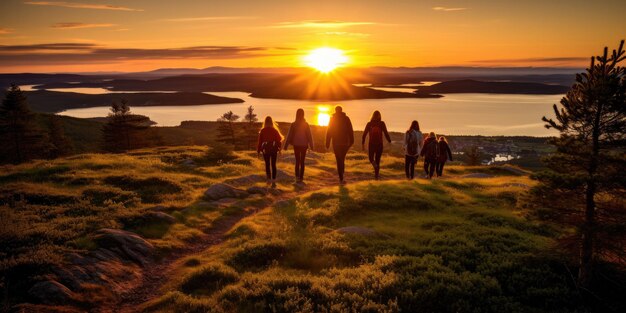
x,y
376,128
269,144
412,146
299,136
341,134
430,152
445,154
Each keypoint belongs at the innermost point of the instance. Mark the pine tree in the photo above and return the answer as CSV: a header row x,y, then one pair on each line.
x,y
60,144
226,129
22,139
584,185
251,128
123,130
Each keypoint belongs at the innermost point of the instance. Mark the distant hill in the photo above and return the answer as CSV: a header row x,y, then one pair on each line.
x,y
475,86
51,101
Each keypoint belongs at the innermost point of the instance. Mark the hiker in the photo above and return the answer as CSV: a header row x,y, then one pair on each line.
x,y
299,136
269,144
412,148
445,154
375,128
341,134
430,152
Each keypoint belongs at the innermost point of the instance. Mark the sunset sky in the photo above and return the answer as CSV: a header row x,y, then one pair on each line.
x,y
110,35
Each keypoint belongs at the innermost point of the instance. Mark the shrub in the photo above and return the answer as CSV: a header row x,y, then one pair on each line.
x,y
257,256
208,279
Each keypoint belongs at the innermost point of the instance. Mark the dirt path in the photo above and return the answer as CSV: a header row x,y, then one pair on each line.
x,y
155,275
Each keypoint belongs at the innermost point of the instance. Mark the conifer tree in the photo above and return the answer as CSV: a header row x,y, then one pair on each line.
x,y
226,129
123,130
60,144
584,185
251,128
22,139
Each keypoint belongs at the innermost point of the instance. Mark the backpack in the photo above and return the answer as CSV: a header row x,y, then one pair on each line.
x,y
412,144
270,147
376,133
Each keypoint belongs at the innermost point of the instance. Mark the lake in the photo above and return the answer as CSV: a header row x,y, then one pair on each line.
x,y
454,114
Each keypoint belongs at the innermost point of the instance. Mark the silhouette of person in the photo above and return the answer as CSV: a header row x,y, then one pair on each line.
x,y
299,136
341,134
269,143
376,128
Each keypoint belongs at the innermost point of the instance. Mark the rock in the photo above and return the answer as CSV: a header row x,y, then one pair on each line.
x,y
257,190
157,208
188,163
131,245
357,230
477,175
51,292
160,217
220,191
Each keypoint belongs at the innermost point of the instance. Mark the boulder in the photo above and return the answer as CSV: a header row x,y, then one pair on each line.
x,y
160,217
51,292
257,190
221,191
125,244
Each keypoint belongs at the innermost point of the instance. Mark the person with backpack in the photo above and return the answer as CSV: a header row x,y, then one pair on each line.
x,y
445,154
375,128
430,152
269,144
341,134
299,136
412,146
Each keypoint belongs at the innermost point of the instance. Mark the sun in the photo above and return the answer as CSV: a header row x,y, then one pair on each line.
x,y
325,59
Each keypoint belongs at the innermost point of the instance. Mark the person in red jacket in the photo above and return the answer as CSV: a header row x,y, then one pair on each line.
x,y
430,152
445,154
376,128
269,144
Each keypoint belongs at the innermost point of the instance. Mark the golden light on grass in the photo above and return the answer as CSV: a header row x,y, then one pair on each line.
x,y
323,118
325,59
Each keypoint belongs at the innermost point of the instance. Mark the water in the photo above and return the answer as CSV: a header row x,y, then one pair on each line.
x,y
454,114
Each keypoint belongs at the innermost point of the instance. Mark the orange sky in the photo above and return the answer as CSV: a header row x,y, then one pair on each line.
x,y
109,35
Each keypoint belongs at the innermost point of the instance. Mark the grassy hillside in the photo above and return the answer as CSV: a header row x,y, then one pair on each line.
x,y
454,244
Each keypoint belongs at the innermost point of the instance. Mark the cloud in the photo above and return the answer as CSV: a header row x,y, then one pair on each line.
x,y
349,34
320,24
4,31
80,25
76,5
208,18
447,9
534,60
83,53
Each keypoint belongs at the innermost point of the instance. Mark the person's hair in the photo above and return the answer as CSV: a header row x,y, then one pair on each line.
x,y
442,138
269,122
338,109
300,115
376,117
414,126
432,135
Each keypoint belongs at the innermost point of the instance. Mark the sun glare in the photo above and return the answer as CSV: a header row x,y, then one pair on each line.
x,y
325,59
322,116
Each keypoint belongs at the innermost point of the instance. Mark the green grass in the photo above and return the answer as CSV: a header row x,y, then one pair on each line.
x,y
446,245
